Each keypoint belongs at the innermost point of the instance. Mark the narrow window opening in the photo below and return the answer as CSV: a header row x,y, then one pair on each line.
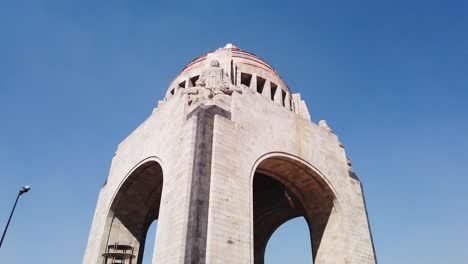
x,y
173,91
283,93
274,87
232,71
194,80
236,81
246,78
182,84
260,84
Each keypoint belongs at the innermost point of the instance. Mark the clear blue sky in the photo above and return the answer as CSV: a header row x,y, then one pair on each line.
x,y
391,78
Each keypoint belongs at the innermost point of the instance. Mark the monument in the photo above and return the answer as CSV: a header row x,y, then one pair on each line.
x,y
228,156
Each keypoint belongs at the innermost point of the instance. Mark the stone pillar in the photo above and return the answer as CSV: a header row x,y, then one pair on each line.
x,y
188,83
267,89
253,82
328,241
356,226
278,97
195,251
287,101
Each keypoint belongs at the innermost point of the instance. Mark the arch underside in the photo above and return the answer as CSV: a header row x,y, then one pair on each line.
x,y
135,207
284,189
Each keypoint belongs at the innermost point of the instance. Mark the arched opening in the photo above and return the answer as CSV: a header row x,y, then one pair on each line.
x,y
285,188
134,208
290,243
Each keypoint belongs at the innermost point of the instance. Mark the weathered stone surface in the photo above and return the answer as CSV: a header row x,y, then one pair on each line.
x,y
227,157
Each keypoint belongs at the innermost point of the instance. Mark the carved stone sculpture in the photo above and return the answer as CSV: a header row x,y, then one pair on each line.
x,y
198,93
212,82
323,124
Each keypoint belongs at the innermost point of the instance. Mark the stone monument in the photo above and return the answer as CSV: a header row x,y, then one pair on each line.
x,y
228,156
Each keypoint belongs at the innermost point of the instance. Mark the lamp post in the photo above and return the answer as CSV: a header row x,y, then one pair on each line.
x,y
25,189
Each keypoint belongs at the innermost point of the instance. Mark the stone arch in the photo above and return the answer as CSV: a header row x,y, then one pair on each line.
x,y
134,207
285,187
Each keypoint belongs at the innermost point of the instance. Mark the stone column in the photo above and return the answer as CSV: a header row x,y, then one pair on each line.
x,y
195,251
287,101
267,89
279,95
253,82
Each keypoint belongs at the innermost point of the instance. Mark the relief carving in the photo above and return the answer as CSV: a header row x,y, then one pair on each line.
x,y
212,82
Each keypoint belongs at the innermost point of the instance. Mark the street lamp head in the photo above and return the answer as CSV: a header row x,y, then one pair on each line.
x,y
25,189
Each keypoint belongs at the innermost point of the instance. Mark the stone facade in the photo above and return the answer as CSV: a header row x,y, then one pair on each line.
x,y
226,158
